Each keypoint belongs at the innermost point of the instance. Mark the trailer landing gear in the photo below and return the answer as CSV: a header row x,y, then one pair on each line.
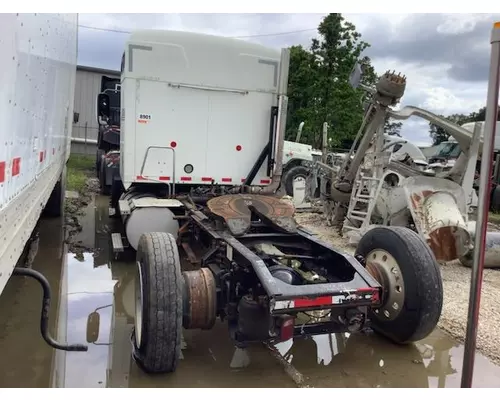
x,y
44,320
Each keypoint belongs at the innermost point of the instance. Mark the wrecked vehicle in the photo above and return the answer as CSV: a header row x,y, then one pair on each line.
x,y
373,188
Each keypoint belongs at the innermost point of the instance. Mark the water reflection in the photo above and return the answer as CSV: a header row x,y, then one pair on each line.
x,y
89,289
358,360
26,359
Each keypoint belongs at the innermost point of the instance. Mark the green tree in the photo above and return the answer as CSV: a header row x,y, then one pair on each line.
x,y
439,135
319,89
300,93
392,128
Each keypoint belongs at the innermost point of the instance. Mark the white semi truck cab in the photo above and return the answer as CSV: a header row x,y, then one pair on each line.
x,y
199,118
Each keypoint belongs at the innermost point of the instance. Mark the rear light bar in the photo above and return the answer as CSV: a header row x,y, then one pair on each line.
x,y
364,294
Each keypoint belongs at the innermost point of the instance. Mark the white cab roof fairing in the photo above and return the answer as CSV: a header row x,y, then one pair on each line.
x,y
162,55
163,36
199,97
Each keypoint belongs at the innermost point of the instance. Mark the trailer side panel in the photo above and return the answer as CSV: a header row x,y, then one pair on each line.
x,y
38,54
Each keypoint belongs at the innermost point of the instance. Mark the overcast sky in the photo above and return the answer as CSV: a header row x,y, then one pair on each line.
x,y
444,56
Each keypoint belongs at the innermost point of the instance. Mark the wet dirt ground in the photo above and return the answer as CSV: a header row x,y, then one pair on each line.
x,y
93,304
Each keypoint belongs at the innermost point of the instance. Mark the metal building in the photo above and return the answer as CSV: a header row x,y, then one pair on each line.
x,y
87,87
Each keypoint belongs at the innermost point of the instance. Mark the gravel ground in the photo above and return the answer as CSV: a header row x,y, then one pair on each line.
x,y
456,282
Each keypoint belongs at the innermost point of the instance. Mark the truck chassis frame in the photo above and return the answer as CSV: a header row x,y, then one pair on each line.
x,y
243,250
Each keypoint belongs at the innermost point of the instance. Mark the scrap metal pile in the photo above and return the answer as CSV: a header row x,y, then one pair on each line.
x,y
384,180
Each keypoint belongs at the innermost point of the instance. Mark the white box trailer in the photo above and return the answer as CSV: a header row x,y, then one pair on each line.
x,y
38,54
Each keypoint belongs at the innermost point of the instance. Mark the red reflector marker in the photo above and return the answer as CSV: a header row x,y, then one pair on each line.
x,y
265,181
185,178
319,301
206,179
2,171
164,178
16,166
238,148
226,179
173,144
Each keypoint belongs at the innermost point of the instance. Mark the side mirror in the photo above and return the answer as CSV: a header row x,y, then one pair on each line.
x,y
356,75
76,117
102,105
93,322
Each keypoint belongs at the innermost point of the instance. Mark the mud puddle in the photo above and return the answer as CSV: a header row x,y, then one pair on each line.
x,y
94,304
456,285
79,226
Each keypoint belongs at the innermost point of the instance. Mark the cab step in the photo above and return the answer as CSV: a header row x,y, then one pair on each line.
x,y
117,243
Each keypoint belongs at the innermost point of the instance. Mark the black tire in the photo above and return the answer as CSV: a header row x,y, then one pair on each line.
x,y
423,286
495,199
105,189
158,348
98,161
117,190
291,174
55,204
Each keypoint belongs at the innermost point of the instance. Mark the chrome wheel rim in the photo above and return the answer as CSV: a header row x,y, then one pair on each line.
x,y
385,269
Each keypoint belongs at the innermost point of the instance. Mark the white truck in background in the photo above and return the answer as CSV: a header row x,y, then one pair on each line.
x,y
38,55
297,161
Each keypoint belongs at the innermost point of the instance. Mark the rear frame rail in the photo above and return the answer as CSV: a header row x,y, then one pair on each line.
x,y
361,290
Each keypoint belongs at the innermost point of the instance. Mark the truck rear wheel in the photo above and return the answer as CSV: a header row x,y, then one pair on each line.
x,y
495,199
98,161
105,189
291,174
158,305
402,262
55,204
